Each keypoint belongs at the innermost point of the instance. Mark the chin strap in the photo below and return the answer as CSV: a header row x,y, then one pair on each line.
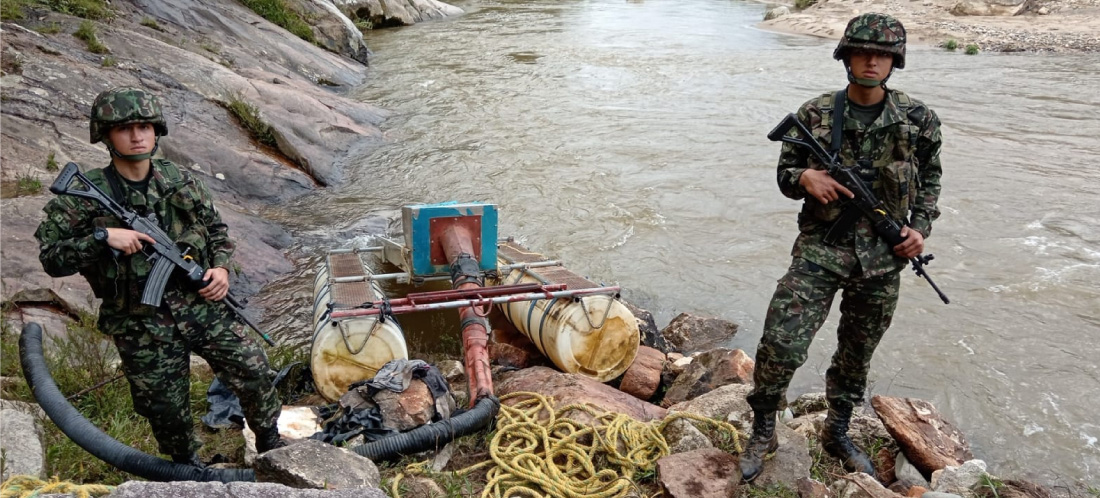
x,y
133,157
869,83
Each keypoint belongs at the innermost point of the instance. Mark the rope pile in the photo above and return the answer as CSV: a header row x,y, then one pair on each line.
x,y
539,452
24,486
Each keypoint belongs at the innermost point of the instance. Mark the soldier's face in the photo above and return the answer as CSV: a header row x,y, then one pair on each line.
x,y
870,64
133,138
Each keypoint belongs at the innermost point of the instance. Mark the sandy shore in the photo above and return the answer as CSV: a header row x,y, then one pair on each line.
x,y
1039,25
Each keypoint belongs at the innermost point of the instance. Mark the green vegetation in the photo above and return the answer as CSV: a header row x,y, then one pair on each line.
x,y
251,120
364,25
87,32
88,9
1093,491
27,185
108,61
12,10
990,486
277,12
51,162
149,22
972,49
802,4
210,46
951,44
50,28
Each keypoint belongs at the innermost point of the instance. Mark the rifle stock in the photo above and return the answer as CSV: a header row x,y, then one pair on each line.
x,y
164,253
871,207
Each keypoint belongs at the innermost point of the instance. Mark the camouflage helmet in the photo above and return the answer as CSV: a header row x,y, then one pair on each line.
x,y
878,32
125,105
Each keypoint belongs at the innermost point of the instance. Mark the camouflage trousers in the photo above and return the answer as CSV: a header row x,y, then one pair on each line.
x,y
155,355
798,309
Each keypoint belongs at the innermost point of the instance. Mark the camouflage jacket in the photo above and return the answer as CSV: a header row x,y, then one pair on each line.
x,y
902,148
184,209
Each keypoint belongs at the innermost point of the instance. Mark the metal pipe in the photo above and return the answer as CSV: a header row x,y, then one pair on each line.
x,y
461,303
355,250
404,277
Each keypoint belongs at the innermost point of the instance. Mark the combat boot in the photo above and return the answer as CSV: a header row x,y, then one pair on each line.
x,y
191,459
836,442
762,443
269,439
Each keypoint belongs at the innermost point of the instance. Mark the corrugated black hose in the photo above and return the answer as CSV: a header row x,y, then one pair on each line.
x,y
94,441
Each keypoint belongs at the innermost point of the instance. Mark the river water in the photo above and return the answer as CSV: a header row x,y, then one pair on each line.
x,y
628,140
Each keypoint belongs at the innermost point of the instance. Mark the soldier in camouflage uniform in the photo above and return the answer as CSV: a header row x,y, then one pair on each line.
x,y
895,142
154,343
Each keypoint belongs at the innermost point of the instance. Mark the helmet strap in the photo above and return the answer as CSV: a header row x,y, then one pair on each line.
x,y
133,157
865,82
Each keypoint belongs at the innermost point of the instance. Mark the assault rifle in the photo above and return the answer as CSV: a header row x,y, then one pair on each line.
x,y
164,253
864,199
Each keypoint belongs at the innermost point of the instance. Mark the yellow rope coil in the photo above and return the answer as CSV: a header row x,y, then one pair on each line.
x,y
25,486
539,452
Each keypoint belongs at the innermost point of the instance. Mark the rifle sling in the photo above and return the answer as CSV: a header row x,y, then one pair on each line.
x,y
851,214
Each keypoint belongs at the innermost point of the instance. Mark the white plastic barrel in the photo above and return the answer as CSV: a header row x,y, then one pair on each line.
x,y
596,336
347,350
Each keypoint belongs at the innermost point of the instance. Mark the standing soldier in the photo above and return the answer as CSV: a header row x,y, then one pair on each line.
x,y
894,142
155,343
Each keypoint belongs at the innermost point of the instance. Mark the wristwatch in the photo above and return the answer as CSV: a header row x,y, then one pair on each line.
x,y
100,235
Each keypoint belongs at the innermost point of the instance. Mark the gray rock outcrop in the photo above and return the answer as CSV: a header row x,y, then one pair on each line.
x,y
21,444
386,13
310,464
688,333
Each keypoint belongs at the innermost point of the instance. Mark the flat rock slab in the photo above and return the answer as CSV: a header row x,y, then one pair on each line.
x,y
703,473
313,464
929,442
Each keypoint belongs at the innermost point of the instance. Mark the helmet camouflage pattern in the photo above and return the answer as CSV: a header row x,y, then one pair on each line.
x,y
878,32
125,105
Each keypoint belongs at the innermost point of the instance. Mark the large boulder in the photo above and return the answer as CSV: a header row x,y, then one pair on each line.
x,y
929,442
710,370
332,29
688,333
386,13
315,465
567,389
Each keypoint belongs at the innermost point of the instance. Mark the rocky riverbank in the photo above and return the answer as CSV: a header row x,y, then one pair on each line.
x,y
256,112
992,25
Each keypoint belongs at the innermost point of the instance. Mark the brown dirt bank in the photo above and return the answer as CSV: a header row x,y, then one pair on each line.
x,y
1040,25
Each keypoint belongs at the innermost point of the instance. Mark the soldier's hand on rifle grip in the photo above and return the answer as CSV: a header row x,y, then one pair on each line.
x,y
913,244
822,187
127,241
216,284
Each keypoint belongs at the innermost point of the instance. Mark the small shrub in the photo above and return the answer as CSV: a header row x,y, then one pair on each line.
x,y
88,9
802,4
87,32
149,22
28,185
51,28
772,490
971,49
278,13
364,25
250,119
108,61
990,486
51,162
211,47
951,44
12,10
